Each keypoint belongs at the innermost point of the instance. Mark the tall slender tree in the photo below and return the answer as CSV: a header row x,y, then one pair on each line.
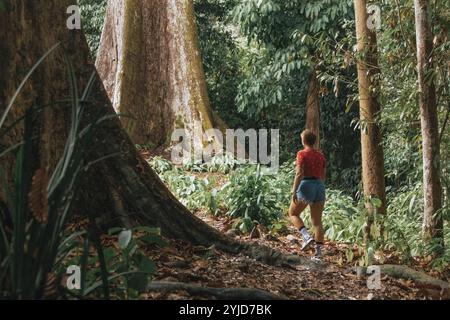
x,y
313,105
432,222
150,63
371,148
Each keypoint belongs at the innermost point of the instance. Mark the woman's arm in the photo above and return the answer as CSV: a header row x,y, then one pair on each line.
x,y
298,177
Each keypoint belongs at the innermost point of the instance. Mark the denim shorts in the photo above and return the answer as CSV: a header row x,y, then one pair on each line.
x,y
311,191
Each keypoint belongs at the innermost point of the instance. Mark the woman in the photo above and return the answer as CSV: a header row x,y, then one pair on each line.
x,y
309,189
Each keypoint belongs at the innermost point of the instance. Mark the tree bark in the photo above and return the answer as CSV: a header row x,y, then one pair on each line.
x,y
432,223
150,63
371,139
313,106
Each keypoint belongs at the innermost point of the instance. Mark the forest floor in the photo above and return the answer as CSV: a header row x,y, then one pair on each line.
x,y
207,267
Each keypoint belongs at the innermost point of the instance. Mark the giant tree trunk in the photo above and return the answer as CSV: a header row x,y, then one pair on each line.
x,y
432,223
122,190
150,64
371,148
313,106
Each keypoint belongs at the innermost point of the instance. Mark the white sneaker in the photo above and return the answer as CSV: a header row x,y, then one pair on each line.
x,y
307,241
318,255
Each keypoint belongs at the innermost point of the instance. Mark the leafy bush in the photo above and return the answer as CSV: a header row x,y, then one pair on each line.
x,y
194,165
93,14
343,220
160,165
125,270
190,190
222,163
251,198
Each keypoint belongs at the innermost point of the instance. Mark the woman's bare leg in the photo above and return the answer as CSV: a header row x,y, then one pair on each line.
x,y
294,213
316,219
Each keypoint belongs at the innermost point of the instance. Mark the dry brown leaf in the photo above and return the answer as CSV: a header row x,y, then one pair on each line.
x,y
51,287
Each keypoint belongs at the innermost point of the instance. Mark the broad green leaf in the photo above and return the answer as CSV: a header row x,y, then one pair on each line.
x,y
147,265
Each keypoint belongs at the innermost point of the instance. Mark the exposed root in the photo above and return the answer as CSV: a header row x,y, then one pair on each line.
x,y
217,293
271,256
265,254
421,279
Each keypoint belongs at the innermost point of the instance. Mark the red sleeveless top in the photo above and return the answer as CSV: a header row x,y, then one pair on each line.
x,y
313,162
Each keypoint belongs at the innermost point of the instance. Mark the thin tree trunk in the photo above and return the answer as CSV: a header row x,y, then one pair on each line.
x,y
313,106
432,223
150,63
371,139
